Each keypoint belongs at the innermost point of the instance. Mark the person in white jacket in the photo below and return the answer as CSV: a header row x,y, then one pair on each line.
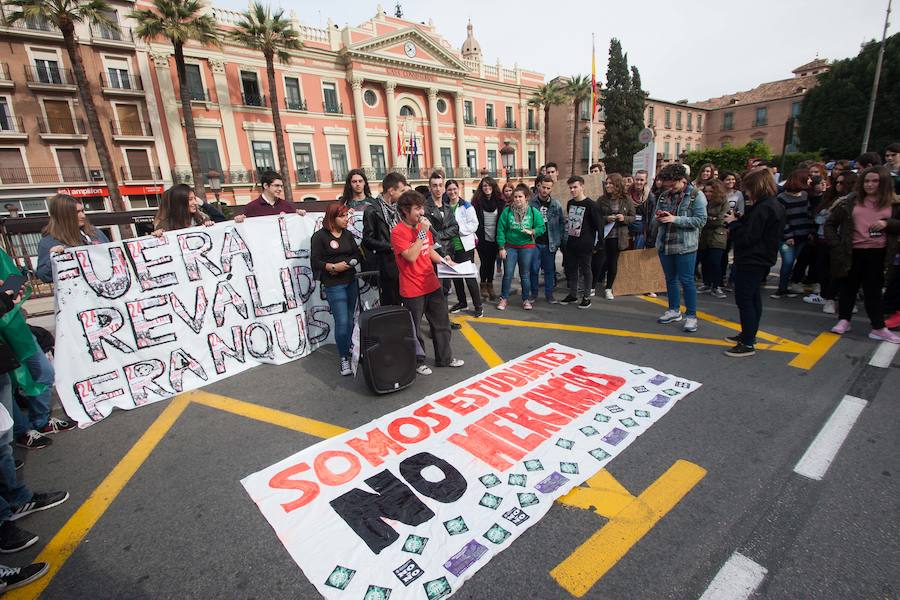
x,y
464,248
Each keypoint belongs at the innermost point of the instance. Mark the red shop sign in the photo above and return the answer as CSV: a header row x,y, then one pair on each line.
x,y
83,192
132,190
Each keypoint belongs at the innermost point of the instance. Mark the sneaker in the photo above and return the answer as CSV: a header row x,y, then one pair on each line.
x,y
345,366
552,300
456,363
16,577
19,463
478,312
884,335
690,324
502,304
38,503
593,293
842,327
568,299
423,370
527,305
458,307
704,289
718,292
740,350
455,326
793,291
893,321
814,299
734,339
609,295
585,302
829,308
55,425
670,316
33,440
14,538
650,294
779,294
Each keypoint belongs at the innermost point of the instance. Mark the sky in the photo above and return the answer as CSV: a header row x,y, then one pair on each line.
x,y
690,49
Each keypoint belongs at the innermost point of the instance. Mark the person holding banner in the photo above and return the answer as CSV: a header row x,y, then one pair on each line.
x,y
178,209
333,256
464,248
420,288
271,201
68,226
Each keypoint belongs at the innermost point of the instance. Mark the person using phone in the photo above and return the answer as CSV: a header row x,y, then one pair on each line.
x,y
68,226
333,257
420,289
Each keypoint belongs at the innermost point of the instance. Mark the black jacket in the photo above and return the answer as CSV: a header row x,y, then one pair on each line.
x,y
757,235
443,225
377,240
8,360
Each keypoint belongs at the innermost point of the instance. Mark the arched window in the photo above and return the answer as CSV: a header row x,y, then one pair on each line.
x,y
407,111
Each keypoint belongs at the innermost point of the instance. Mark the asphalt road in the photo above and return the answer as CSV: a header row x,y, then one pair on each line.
x,y
183,527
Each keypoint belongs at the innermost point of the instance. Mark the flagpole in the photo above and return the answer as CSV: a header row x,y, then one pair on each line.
x,y
593,103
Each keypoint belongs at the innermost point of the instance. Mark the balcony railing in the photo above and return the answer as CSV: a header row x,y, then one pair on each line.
x,y
132,128
10,124
103,33
511,125
253,100
122,82
333,108
199,95
35,24
470,121
490,122
61,126
306,176
141,173
52,75
182,174
291,104
73,174
760,122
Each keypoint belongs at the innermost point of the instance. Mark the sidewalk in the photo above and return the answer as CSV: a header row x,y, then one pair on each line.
x,y
40,312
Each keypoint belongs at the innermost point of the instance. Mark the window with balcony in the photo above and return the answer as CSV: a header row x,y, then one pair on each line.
x,y
509,160
12,166
472,160
468,114
727,121
762,117
59,117
129,120
379,164
194,82
668,119
48,70
330,97
303,158
677,119
446,157
263,159
531,122
106,32
250,89
690,121
338,162
117,75
139,167
510,121
209,156
489,115
666,154
71,165
492,162
532,162
677,149
292,98
651,116
7,123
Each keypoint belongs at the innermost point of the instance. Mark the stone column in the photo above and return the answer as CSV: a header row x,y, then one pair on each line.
x,y
391,101
171,104
460,130
542,135
523,124
153,110
359,117
433,127
232,147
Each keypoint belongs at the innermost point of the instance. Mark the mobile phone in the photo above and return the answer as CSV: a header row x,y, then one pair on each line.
x,y
13,284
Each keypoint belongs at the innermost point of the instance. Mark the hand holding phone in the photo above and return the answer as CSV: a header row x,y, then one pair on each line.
x,y
13,284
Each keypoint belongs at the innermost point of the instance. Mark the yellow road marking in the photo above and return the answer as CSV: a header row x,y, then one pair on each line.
x,y
63,544
266,414
603,495
595,557
481,347
815,350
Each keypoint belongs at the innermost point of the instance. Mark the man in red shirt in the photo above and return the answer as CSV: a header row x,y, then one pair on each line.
x,y
271,201
420,290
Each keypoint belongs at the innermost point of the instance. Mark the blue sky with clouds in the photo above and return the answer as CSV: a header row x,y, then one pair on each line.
x,y
691,49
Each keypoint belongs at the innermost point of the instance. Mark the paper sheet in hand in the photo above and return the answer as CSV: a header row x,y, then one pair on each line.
x,y
607,228
463,269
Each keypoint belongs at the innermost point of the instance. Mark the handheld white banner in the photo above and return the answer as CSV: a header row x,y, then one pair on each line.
x,y
414,503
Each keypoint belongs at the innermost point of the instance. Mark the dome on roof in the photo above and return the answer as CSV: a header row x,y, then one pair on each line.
x,y
471,48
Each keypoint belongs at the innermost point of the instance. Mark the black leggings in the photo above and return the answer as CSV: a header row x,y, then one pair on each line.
x,y
460,284
610,264
487,253
866,270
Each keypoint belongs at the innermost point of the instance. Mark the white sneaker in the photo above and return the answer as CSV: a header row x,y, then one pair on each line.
x,y
814,299
456,362
609,295
650,294
345,366
828,308
670,316
593,293
424,370
690,324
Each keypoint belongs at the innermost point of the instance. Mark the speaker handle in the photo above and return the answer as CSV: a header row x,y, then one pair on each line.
x,y
362,274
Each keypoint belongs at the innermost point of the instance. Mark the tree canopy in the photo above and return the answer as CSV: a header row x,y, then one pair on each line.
x,y
623,102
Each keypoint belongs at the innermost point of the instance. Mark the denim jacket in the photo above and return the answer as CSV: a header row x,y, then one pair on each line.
x,y
683,235
556,222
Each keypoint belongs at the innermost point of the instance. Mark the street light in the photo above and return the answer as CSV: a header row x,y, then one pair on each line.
x,y
214,179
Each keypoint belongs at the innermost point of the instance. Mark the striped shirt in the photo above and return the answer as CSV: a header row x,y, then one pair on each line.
x,y
798,221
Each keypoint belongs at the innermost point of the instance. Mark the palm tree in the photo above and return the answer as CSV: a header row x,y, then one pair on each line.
x,y
577,89
180,22
549,94
273,35
64,14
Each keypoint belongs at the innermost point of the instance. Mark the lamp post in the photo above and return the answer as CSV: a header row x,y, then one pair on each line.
x,y
214,180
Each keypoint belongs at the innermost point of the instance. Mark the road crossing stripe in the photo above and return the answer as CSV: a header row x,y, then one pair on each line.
x,y
884,355
736,580
820,454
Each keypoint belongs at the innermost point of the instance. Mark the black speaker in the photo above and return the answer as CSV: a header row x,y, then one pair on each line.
x,y
387,351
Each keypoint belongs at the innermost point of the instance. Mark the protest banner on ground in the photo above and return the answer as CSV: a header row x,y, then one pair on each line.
x,y
639,272
142,320
414,503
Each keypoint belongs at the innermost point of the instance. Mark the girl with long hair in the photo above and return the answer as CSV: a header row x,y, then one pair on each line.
x,y
519,226
488,203
357,195
178,209
333,257
797,231
616,203
713,238
706,172
862,231
68,226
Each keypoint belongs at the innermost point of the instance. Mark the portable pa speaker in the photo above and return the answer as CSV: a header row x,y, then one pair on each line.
x,y
387,348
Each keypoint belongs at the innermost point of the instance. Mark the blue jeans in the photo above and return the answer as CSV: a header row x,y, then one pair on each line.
x,y
12,493
546,260
789,256
639,241
523,257
342,302
679,268
41,370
